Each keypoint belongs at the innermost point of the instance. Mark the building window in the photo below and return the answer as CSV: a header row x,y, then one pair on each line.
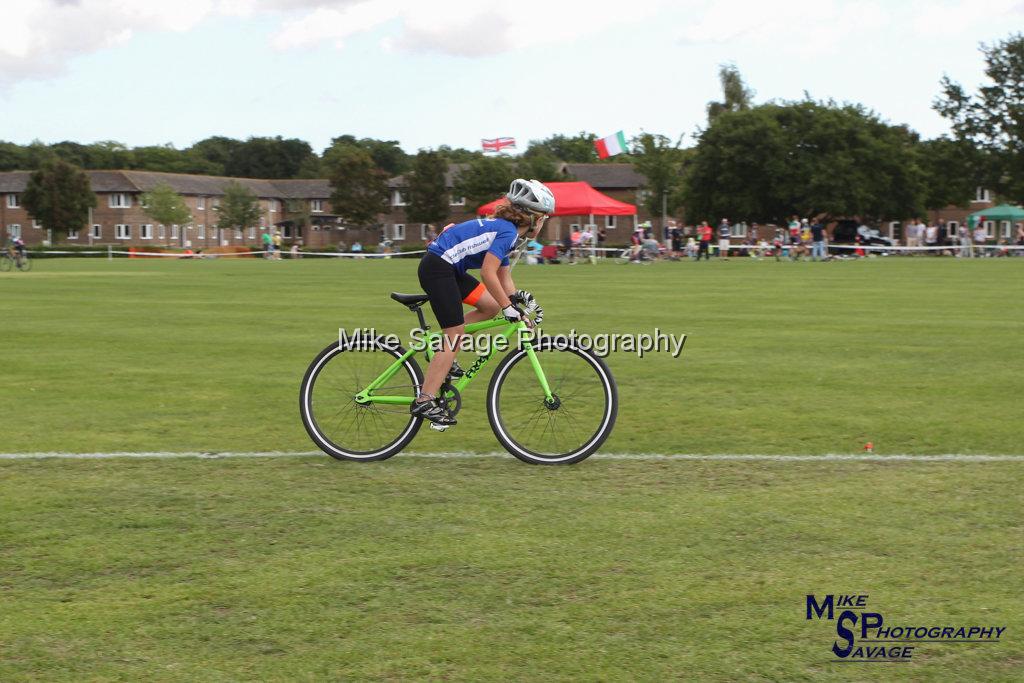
x,y
273,205
120,200
982,195
952,228
97,231
316,205
122,231
895,233
252,233
397,199
609,222
201,231
458,201
1007,229
146,231
36,225
990,229
238,233
73,234
161,231
201,203
398,231
12,201
174,232
14,230
216,202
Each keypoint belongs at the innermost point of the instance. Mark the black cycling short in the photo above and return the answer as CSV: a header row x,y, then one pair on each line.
x,y
448,289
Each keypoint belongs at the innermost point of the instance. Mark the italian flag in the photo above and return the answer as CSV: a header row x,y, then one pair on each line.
x,y
611,145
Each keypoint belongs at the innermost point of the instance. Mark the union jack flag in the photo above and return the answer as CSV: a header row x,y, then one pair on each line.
x,y
497,144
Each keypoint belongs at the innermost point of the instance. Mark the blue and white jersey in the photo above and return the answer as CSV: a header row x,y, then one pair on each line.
x,y
465,245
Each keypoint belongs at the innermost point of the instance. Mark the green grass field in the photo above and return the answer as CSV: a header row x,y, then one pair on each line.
x,y
304,568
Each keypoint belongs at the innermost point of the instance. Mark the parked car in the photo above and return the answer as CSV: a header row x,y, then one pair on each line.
x,y
847,231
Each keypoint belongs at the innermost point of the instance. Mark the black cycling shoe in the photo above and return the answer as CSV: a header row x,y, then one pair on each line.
x,y
456,370
433,411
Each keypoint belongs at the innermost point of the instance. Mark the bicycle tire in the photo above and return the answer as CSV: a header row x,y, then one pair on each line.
x,y
24,265
512,438
328,443
6,263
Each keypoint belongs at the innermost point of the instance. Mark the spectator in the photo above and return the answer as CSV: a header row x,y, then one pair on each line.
x,y
931,237
341,247
295,250
277,245
268,245
675,237
724,239
357,248
431,234
704,231
964,237
777,241
913,234
979,239
636,240
691,247
818,252
1020,238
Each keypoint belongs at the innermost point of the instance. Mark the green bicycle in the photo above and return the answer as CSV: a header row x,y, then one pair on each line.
x,y
549,401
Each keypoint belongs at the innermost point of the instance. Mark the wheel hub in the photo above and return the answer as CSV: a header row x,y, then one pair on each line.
x,y
554,403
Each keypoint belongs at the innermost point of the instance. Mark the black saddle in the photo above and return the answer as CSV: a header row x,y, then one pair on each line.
x,y
413,301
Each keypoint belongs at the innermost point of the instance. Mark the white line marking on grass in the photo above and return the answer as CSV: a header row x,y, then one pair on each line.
x,y
830,457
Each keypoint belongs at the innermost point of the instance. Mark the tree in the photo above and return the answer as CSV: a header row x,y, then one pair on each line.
x,y
575,149
950,172
660,161
217,150
484,179
268,158
239,208
993,119
359,188
166,206
12,157
736,96
387,155
59,196
428,194
543,167
810,158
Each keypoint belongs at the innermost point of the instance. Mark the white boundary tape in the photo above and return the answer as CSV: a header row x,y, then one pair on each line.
x,y
829,457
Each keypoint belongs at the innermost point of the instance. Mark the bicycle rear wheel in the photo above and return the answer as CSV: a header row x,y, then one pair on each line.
x,y
344,428
566,429
5,263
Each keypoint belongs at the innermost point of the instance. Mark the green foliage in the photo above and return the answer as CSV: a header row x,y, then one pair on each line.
x,y
992,121
543,167
387,155
360,189
59,196
166,206
13,157
239,208
458,155
661,162
268,158
574,149
429,198
810,158
217,150
484,180
950,172
736,96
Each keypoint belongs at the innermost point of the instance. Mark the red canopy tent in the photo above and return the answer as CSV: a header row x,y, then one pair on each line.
x,y
577,199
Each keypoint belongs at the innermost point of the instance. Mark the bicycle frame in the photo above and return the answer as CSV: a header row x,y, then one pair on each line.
x,y
432,339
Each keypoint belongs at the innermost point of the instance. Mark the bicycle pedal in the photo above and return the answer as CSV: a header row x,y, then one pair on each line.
x,y
438,427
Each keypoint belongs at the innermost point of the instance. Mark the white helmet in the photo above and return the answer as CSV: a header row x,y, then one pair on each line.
x,y
532,195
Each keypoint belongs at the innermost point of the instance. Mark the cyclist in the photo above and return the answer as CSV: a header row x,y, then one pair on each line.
x,y
18,250
483,243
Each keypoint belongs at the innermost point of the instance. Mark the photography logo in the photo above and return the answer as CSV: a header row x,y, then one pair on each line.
x,y
864,636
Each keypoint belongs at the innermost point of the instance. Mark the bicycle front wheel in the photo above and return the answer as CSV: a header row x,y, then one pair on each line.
x,y
563,430
345,428
24,265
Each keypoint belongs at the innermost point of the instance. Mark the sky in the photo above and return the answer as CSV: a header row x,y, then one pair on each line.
x,y
450,72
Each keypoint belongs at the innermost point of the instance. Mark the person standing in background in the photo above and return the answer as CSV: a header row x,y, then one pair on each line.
x,y
277,245
724,239
704,231
964,237
931,238
818,242
268,246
